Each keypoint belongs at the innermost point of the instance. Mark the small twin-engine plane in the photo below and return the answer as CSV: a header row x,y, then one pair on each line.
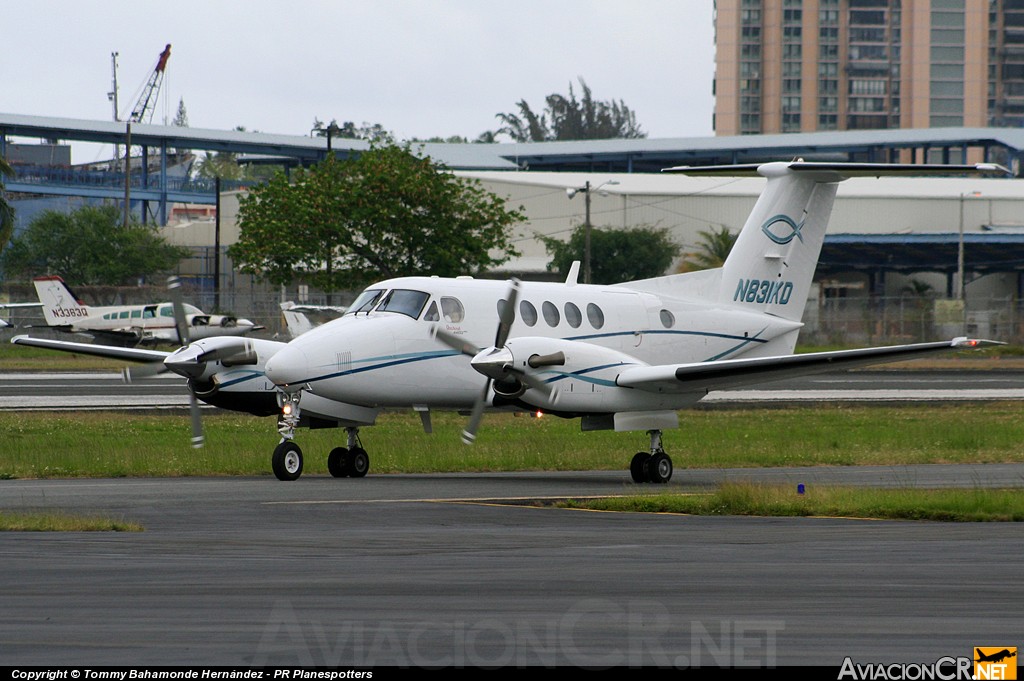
x,y
623,357
129,324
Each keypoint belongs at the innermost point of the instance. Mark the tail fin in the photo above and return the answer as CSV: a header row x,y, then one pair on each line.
x,y
770,267
61,307
772,263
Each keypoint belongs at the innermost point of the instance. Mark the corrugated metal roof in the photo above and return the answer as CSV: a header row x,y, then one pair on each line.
x,y
626,154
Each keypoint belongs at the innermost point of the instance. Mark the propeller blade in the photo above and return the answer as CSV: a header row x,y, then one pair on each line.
x,y
507,314
198,439
129,374
469,434
180,321
455,342
537,384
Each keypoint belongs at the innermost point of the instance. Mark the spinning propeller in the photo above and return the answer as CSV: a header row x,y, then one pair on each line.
x,y
191,359
180,321
497,363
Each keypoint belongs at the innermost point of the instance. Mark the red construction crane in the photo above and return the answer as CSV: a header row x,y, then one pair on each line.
x,y
144,108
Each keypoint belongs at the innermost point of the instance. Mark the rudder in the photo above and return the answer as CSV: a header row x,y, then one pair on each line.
x,y
61,307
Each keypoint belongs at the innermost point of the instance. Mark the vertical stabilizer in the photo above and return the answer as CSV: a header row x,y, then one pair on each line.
x,y
771,266
772,263
61,307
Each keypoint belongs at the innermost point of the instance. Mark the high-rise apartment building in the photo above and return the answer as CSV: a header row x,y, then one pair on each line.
x,y
813,65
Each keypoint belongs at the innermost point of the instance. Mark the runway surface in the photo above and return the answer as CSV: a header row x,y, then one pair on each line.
x,y
35,391
439,570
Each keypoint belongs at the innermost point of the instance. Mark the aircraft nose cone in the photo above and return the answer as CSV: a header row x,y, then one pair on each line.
x,y
288,367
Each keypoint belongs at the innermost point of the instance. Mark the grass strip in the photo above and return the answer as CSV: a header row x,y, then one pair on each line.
x,y
62,522
947,505
101,444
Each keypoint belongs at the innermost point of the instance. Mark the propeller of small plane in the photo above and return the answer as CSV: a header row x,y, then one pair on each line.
x,y
191,361
496,362
181,322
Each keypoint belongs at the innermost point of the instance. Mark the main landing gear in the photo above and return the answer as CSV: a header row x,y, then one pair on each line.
x,y
351,461
655,466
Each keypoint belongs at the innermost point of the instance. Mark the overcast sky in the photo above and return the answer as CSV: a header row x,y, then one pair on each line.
x,y
419,68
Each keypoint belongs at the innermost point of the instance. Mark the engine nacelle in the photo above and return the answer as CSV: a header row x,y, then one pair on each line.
x,y
216,320
555,356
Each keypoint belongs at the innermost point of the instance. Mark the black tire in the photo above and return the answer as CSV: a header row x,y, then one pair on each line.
x,y
659,468
359,462
287,461
339,462
638,467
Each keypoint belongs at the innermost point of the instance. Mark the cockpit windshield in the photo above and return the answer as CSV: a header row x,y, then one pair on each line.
x,y
366,300
404,301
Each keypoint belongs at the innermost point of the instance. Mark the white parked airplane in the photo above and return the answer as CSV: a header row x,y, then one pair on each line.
x,y
300,317
129,324
622,357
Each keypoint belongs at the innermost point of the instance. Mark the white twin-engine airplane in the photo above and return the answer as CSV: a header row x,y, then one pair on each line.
x,y
622,357
129,324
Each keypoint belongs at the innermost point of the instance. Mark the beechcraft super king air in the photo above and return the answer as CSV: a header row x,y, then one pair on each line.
x,y
129,324
625,357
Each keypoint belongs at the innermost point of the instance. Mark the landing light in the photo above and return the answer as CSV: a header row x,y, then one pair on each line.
x,y
287,408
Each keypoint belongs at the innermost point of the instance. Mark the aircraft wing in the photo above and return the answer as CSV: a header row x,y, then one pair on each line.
x,y
706,376
4,306
114,352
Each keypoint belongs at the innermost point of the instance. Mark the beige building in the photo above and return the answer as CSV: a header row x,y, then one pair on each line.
x,y
815,65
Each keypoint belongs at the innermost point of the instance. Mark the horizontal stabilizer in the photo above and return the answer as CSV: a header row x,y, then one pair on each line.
x,y
842,171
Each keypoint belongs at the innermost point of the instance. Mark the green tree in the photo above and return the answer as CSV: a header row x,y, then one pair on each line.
x,y
712,250
568,118
372,132
616,254
384,213
6,209
89,246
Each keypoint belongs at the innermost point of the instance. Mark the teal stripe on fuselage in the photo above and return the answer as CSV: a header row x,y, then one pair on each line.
x,y
385,361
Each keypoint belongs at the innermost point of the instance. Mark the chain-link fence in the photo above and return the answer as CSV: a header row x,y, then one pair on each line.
x,y
908,319
847,322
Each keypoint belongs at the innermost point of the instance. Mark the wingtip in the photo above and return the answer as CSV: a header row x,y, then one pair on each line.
x,y
974,343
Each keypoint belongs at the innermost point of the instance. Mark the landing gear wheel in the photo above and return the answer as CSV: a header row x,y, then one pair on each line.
x,y
659,468
638,466
287,461
339,462
358,462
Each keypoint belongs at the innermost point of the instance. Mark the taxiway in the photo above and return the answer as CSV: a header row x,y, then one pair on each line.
x,y
446,570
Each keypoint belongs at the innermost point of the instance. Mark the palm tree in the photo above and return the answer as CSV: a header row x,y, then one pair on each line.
x,y
712,250
6,209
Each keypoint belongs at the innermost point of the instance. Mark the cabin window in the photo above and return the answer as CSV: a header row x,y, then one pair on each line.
x,y
432,314
595,316
124,315
573,315
149,313
551,315
452,310
366,300
166,311
668,320
404,301
136,314
528,313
